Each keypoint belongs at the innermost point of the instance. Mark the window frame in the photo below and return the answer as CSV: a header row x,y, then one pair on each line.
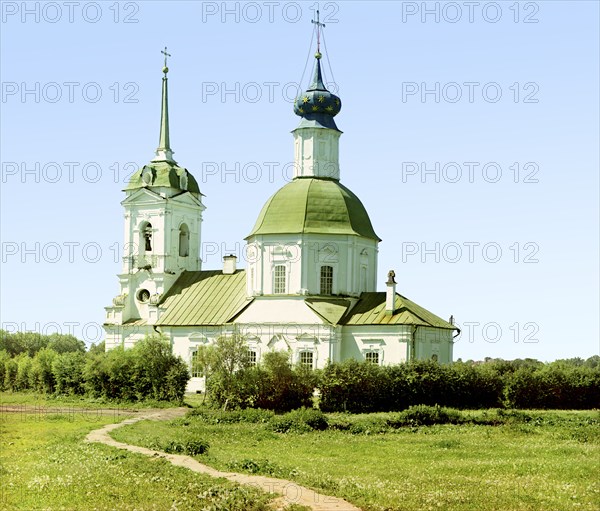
x,y
252,357
326,281
193,356
279,287
306,364
372,353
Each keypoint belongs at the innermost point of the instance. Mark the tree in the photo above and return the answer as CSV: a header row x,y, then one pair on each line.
x,y
65,344
97,348
68,373
230,356
204,364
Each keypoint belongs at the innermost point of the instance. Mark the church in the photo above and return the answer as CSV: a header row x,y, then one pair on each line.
x,y
310,282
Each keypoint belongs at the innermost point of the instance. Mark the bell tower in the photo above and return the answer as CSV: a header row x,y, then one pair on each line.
x,y
163,219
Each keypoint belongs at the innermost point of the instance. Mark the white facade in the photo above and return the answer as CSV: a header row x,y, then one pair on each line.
x,y
352,259
317,153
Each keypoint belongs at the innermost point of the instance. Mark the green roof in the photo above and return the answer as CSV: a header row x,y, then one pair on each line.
x,y
163,173
330,309
204,298
314,206
370,310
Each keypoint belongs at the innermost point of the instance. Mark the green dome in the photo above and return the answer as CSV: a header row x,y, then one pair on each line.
x,y
163,173
314,206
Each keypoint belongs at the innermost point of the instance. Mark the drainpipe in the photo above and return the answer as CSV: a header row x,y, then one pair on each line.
x,y
451,321
413,343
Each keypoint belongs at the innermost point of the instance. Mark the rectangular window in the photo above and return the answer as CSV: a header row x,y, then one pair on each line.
x,y
279,280
306,359
326,280
251,358
372,357
195,370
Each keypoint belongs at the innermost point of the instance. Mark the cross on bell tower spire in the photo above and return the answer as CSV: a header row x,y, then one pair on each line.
x,y
164,152
319,26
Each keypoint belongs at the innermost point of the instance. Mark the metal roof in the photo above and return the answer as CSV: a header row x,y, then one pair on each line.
x,y
314,206
204,298
370,310
213,298
163,173
330,309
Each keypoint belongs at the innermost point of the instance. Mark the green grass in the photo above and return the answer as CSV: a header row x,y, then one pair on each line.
x,y
51,401
44,464
536,461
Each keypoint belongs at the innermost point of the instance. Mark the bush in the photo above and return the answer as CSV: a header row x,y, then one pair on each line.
x,y
423,415
302,420
23,372
248,415
191,447
359,387
11,367
67,369
147,371
41,376
272,385
254,466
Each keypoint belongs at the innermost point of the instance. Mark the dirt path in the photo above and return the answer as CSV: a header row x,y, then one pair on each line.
x,y
290,492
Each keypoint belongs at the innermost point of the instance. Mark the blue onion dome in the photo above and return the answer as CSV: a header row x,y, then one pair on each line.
x,y
317,106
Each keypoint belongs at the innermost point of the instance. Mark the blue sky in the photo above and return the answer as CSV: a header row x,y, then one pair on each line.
x,y
470,134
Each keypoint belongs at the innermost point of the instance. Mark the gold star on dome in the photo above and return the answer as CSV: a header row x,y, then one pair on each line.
x,y
337,102
329,108
305,99
301,110
321,99
315,108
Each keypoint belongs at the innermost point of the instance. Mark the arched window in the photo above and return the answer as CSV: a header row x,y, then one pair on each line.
x,y
326,280
146,237
279,279
184,240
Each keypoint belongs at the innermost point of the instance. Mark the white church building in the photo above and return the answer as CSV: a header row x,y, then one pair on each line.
x,y
310,282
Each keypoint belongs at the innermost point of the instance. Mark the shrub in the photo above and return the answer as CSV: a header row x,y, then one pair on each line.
x,y
191,447
67,369
147,371
423,415
42,377
369,426
302,420
254,466
23,372
11,367
273,385
4,358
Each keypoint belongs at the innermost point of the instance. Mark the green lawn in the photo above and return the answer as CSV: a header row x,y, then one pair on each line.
x,y
550,463
49,401
44,464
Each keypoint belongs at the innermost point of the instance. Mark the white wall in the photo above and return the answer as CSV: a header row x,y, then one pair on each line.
x,y
304,255
390,341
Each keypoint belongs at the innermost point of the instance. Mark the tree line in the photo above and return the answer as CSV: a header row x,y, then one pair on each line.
x,y
59,364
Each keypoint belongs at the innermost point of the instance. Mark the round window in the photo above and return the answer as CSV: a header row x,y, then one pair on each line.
x,y
143,295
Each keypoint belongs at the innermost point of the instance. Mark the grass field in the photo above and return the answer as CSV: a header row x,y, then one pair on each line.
x,y
551,461
42,400
45,465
